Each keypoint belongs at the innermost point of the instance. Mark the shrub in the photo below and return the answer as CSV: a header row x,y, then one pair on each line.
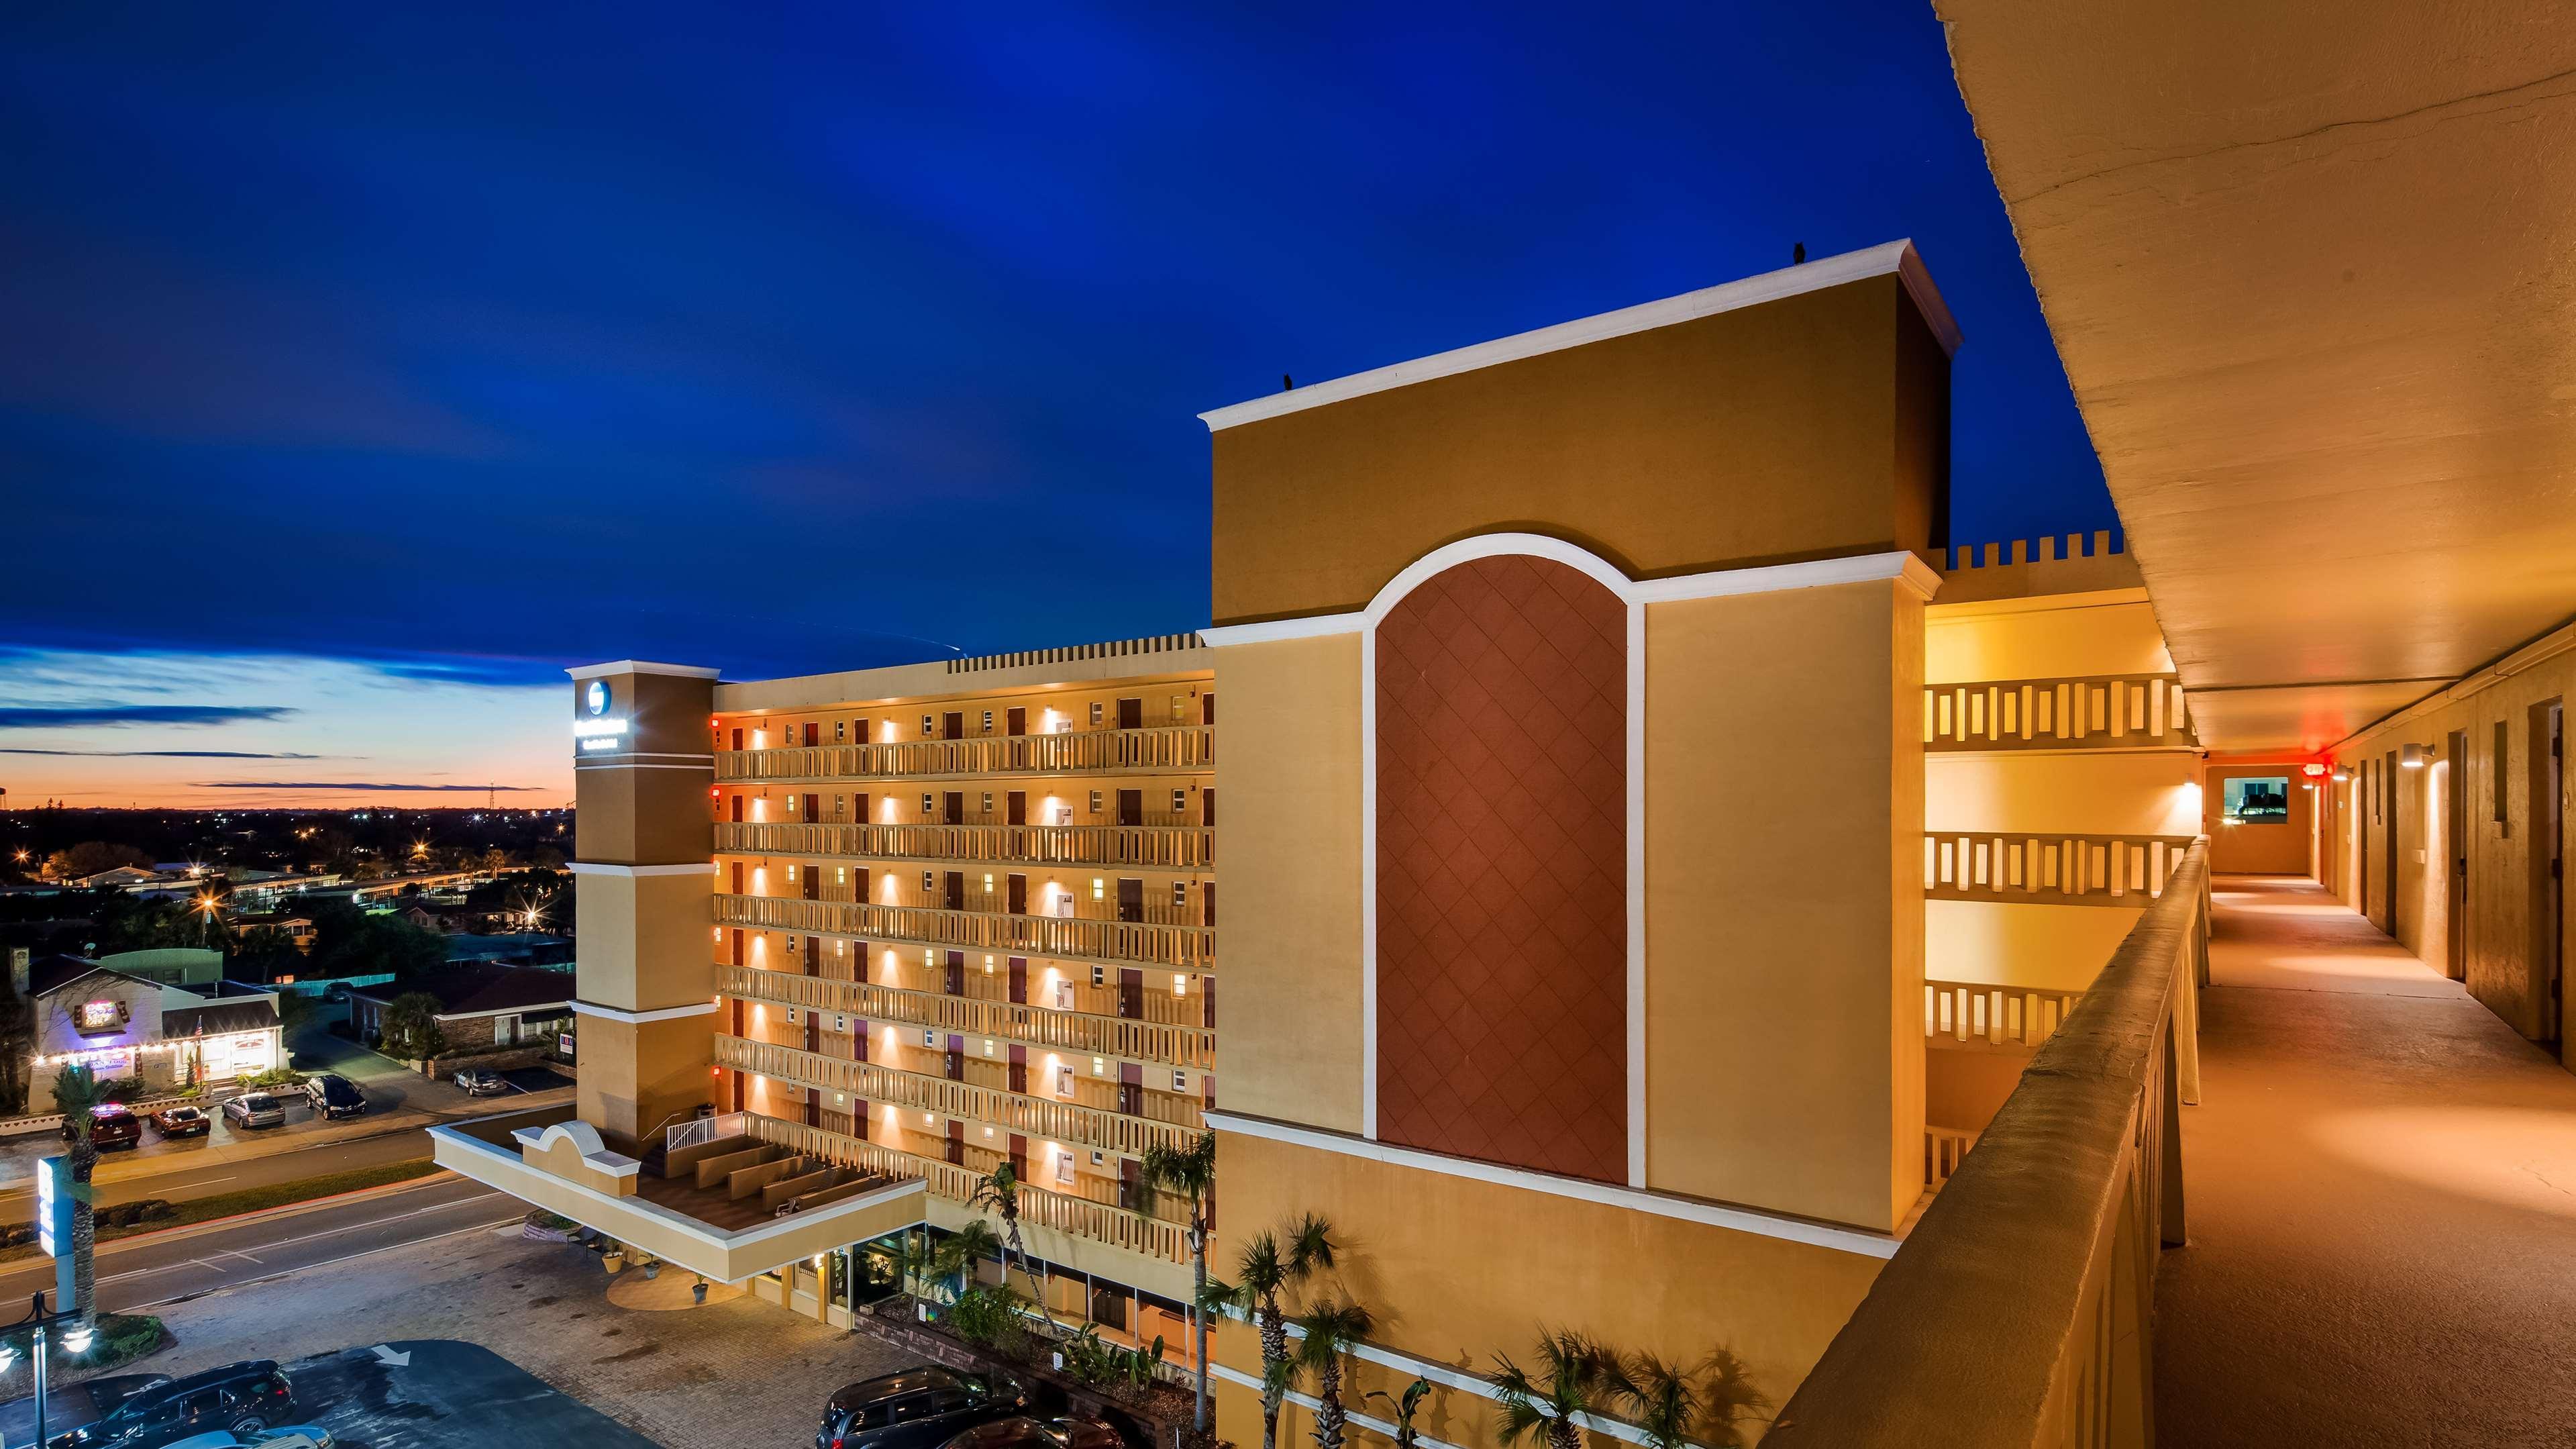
x,y
989,1317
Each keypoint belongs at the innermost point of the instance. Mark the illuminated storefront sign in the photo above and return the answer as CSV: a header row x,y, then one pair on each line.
x,y
98,1016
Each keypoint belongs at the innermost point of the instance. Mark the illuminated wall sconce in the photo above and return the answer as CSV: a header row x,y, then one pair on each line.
x,y
2342,776
2412,757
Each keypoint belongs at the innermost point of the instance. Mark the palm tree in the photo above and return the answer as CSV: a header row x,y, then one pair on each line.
x,y
1331,1330
1404,1409
1190,1172
1263,1270
1574,1378
999,1190
958,1253
76,1090
1660,1398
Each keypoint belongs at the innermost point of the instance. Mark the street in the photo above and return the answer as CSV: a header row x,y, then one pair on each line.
x,y
160,1268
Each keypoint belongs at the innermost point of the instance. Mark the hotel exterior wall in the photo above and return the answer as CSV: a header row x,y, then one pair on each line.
x,y
1764,434
2505,960
1290,839
643,939
1458,1270
1784,1045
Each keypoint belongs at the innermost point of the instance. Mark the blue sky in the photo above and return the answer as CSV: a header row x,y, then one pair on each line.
x,y
381,360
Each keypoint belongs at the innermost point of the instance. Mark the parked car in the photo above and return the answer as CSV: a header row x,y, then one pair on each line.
x,y
241,1399
290,1436
111,1124
332,1095
70,1407
256,1109
919,1408
1024,1432
338,991
482,1082
182,1122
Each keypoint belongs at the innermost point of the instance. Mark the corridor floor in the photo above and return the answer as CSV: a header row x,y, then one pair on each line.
x,y
2380,1184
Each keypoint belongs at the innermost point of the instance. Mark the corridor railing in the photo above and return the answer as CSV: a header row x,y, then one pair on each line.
x,y
2020,1308
2111,711
2082,870
1981,1017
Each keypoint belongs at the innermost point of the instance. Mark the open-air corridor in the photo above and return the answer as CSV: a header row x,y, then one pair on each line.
x,y
2381,1184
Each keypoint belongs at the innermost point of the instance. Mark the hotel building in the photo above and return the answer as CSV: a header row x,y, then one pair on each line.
x,y
889,930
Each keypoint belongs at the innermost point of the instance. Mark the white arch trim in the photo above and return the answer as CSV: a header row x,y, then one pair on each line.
x,y
1898,566
585,1141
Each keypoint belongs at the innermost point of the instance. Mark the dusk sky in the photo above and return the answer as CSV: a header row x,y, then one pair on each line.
x,y
362,366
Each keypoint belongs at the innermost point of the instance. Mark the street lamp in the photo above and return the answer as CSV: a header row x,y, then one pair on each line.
x,y
75,1340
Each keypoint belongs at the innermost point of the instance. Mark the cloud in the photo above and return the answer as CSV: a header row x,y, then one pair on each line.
x,y
166,754
64,716
345,785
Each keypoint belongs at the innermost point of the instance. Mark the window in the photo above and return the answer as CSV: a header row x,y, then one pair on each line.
x,y
1095,712
1180,801
1063,1168
840,731
1180,895
2260,800
1097,1159
929,807
2496,769
1095,802
1099,977
1063,1080
929,731
840,876
840,804
840,1023
988,802
791,869
791,1014
1180,1080
929,1038
988,721
929,882
1099,888
1177,714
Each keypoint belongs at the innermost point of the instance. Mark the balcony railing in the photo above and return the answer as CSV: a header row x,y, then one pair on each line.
x,y
1033,1116
1158,847
982,1013
2116,711
1076,752
1098,1221
1973,1016
2020,1309
1139,943
2083,870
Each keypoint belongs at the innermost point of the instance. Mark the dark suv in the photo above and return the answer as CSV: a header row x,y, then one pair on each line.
x,y
332,1095
920,1408
111,1124
242,1398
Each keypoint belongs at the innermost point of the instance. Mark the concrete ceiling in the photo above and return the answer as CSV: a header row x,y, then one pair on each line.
x,y
2312,270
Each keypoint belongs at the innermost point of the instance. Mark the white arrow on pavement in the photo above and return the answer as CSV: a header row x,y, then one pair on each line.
x,y
390,1359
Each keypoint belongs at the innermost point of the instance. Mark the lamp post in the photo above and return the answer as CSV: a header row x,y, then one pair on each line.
x,y
37,1322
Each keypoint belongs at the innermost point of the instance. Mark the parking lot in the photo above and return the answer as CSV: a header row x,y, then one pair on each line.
x,y
734,1374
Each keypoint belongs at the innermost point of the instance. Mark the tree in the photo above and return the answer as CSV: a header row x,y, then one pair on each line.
x,y
411,1027
999,1190
92,856
76,1090
1404,1409
1331,1329
1190,1172
1263,1270
1575,1376
954,1259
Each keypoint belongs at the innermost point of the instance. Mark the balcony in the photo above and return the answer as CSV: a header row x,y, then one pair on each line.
x,y
1153,847
1118,1227
1032,1116
2099,712
2079,870
1974,1016
1169,1033
726,1224
1125,943
2019,1310
1077,752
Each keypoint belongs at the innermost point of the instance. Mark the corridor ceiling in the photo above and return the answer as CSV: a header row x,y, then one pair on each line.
x,y
2311,267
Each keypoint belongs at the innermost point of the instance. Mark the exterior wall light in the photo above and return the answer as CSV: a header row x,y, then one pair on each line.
x,y
2412,757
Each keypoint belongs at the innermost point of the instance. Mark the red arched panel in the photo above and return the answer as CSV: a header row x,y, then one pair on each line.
x,y
1502,881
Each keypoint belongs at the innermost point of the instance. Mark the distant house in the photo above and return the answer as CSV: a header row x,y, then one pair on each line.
x,y
298,929
122,877
481,1004
124,1025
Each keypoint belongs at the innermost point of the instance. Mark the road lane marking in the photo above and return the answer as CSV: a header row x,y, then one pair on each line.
x,y
343,1258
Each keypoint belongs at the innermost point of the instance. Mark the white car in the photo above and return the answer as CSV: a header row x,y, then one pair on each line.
x,y
290,1436
256,1109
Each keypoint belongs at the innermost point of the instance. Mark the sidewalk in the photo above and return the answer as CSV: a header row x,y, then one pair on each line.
x,y
2381,1195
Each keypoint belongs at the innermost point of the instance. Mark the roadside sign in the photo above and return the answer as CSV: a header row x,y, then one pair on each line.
x,y
54,1221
